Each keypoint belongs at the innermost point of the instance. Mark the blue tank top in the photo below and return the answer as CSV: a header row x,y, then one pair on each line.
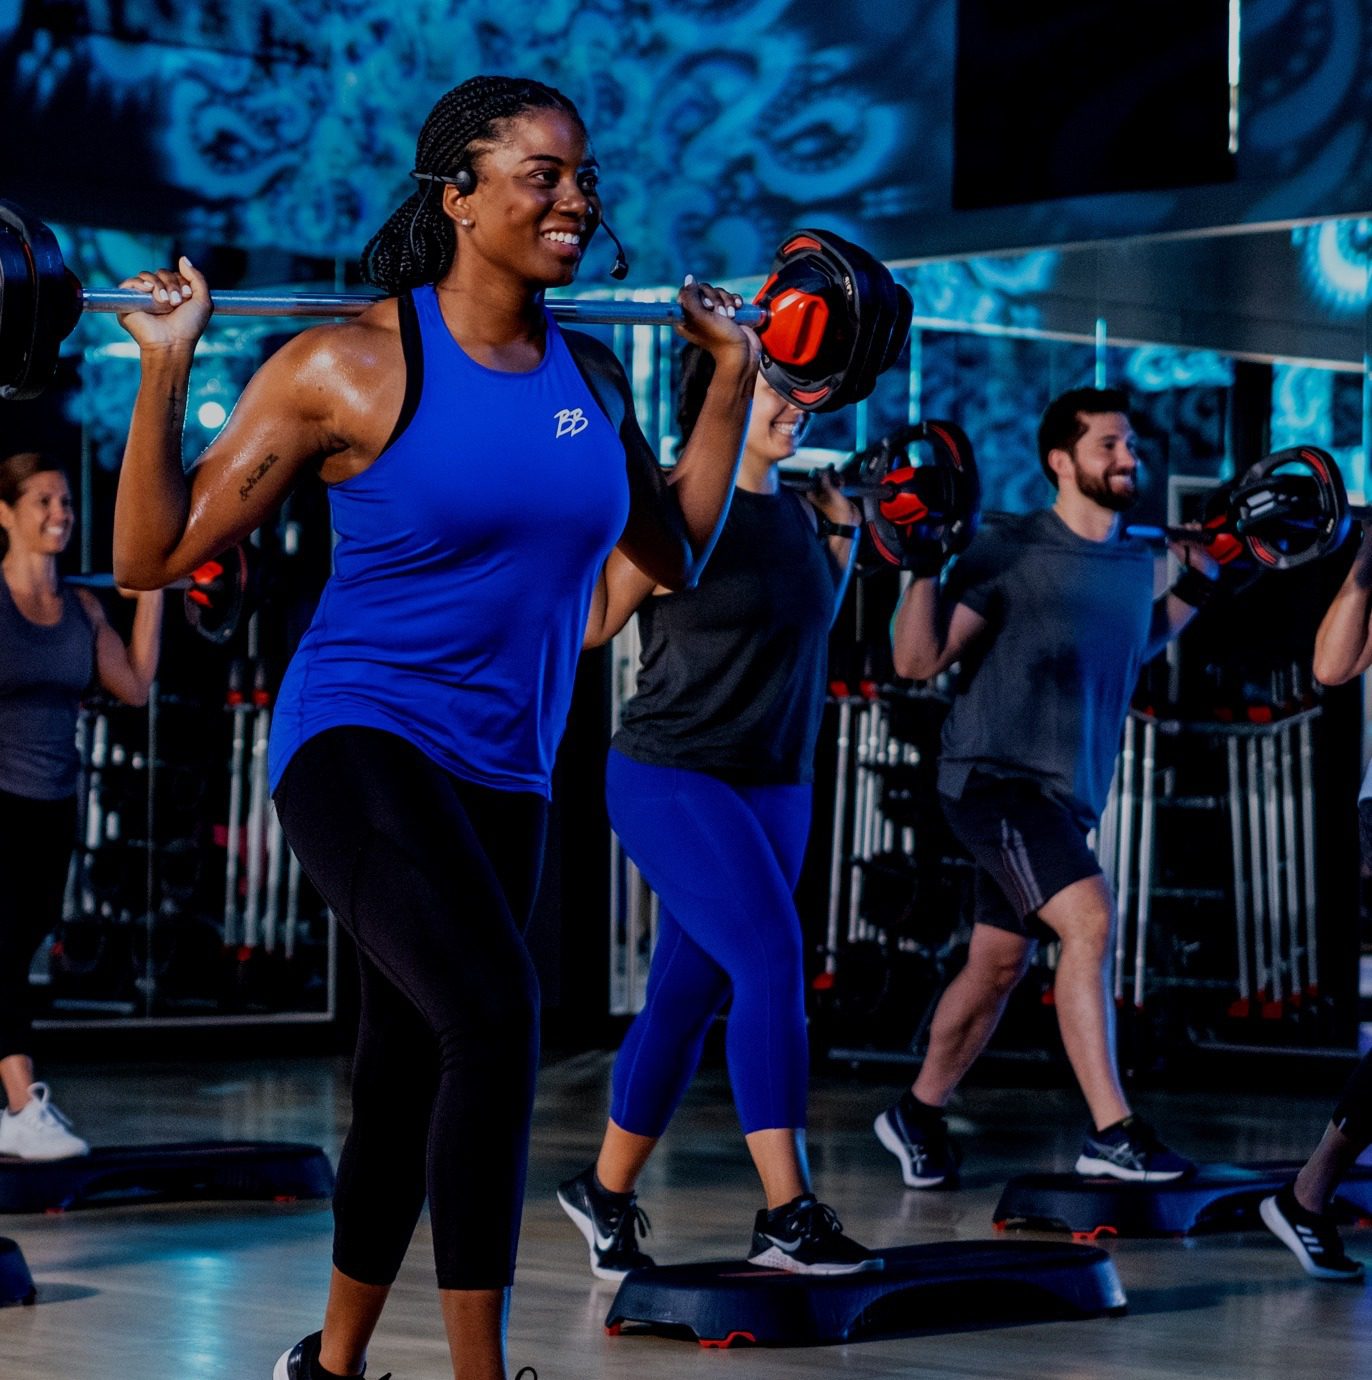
x,y
465,559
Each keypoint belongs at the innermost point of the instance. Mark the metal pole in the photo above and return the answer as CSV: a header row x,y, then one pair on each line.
x,y
845,721
859,805
1307,754
1145,902
276,840
1280,982
239,710
257,796
1240,882
150,860
292,901
1126,852
100,746
572,311
1290,862
1257,891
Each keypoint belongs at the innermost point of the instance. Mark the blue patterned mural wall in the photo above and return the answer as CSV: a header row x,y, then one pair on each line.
x,y
720,123
716,122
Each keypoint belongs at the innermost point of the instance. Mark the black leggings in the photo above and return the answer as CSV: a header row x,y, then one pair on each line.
x,y
36,839
434,878
1353,1115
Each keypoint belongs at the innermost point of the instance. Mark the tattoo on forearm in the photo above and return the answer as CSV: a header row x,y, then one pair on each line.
x,y
250,483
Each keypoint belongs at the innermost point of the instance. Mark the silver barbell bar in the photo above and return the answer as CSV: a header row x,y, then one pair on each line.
x,y
572,311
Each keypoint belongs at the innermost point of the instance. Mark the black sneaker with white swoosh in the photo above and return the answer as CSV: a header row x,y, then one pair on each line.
x,y
611,1224
806,1237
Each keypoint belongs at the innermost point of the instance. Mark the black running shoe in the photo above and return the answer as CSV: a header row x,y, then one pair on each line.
x,y
1130,1150
928,1158
1310,1236
806,1237
300,1362
611,1224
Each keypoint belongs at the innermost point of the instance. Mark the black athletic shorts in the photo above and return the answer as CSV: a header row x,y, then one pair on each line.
x,y
1027,847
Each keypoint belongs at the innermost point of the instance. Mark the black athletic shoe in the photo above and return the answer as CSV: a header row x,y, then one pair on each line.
x,y
611,1224
928,1158
1310,1236
301,1362
806,1237
1131,1150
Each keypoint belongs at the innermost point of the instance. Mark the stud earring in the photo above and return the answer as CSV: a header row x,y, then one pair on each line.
x,y
464,222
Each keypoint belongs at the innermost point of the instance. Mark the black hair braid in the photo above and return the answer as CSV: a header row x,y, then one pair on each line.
x,y
697,369
417,243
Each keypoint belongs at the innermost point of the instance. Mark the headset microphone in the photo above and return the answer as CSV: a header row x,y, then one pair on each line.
x,y
619,270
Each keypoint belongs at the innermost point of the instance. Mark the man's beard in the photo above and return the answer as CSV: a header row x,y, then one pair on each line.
x,y
1099,491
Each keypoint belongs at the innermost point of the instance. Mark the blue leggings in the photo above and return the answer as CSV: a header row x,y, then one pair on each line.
x,y
724,861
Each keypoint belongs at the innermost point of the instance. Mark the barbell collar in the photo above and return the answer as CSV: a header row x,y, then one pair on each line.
x,y
571,311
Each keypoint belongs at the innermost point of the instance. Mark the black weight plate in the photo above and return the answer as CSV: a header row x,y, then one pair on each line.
x,y
54,304
16,313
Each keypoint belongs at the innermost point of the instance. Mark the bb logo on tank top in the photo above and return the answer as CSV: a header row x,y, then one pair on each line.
x,y
570,422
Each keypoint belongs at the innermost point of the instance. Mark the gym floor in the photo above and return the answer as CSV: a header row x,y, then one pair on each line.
x,y
217,1291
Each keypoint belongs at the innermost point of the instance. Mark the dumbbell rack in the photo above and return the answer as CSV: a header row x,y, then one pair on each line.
x,y
142,947
1257,776
898,902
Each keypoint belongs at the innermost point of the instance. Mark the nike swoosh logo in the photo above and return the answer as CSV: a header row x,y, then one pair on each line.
x,y
785,1245
602,1243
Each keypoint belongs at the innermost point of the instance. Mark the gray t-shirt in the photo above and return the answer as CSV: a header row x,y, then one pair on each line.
x,y
1045,688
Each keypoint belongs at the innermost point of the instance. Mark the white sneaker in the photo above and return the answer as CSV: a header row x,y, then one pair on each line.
x,y
39,1131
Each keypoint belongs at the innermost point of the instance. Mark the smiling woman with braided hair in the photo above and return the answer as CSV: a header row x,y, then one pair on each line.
x,y
478,486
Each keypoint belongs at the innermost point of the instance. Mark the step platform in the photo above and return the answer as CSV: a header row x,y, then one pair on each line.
x,y
16,1284
176,1172
1219,1197
922,1288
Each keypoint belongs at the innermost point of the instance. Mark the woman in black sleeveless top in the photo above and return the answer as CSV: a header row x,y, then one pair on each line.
x,y
54,642
708,784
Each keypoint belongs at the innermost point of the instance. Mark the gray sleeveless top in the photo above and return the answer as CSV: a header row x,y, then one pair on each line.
x,y
43,674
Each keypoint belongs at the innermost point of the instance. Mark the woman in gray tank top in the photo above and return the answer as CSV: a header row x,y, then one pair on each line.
x,y
54,642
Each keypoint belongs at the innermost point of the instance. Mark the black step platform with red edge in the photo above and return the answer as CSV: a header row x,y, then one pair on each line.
x,y
16,1284
178,1172
921,1288
1218,1197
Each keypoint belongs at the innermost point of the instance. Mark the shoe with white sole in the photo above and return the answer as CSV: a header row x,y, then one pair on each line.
x,y
1310,1236
610,1222
806,1237
1131,1151
38,1131
928,1158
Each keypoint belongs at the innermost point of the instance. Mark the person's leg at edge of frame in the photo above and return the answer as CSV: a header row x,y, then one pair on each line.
x,y
1299,1214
